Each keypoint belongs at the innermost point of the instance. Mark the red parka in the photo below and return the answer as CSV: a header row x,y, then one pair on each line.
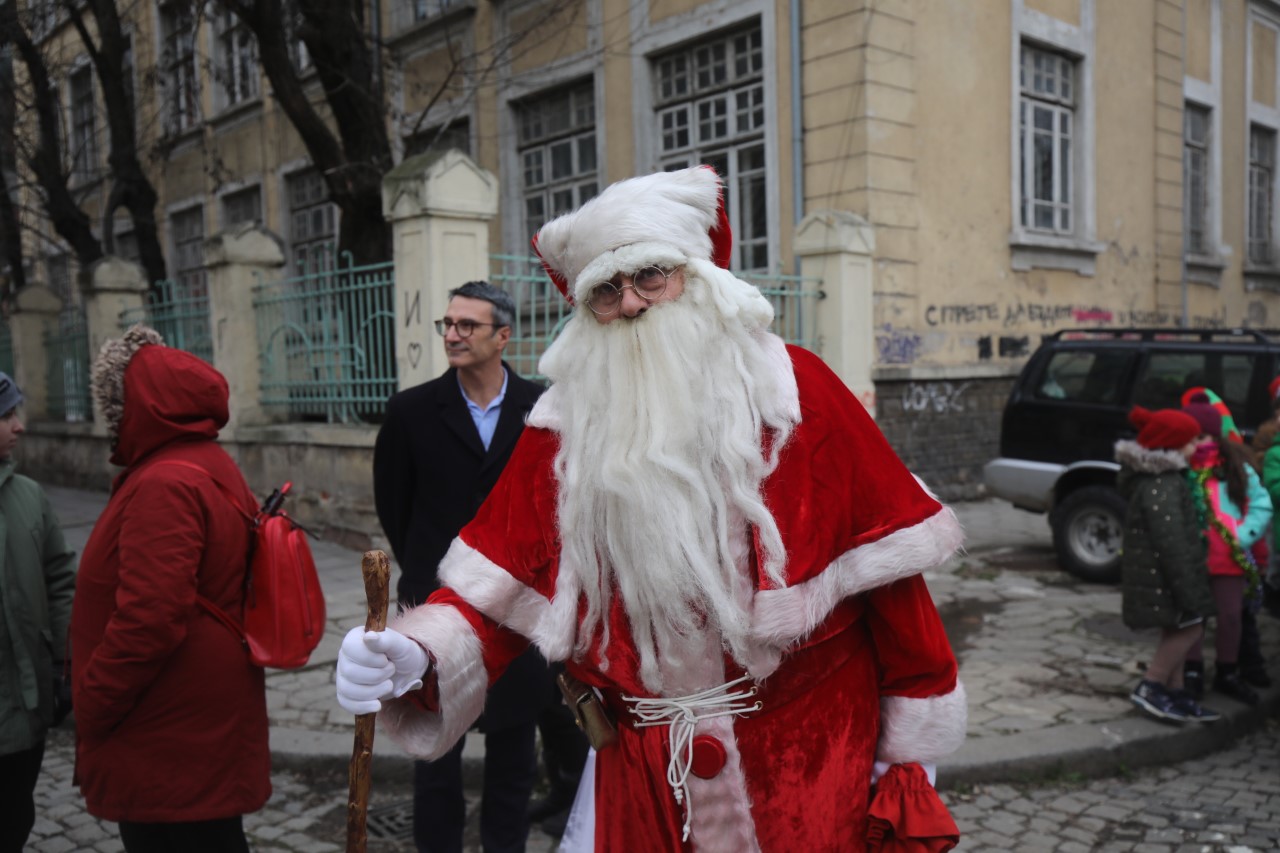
x,y
171,716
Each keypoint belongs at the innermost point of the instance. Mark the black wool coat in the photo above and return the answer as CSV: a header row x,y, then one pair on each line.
x,y
1163,568
431,473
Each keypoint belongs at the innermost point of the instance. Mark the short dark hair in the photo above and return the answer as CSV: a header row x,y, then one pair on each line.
x,y
504,307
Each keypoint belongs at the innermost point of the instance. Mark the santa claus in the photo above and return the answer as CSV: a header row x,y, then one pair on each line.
x,y
708,528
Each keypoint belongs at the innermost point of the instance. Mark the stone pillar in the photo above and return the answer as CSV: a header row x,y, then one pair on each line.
x,y
236,261
439,206
836,246
35,315
114,287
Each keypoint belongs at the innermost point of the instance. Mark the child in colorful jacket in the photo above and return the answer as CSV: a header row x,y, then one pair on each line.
x,y
1235,512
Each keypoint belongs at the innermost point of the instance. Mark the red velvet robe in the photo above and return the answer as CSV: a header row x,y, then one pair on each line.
x,y
849,656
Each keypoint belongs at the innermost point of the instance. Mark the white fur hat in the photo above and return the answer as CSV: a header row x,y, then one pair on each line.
x,y
667,218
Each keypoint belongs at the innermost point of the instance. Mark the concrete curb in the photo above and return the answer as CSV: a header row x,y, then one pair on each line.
x,y
1101,749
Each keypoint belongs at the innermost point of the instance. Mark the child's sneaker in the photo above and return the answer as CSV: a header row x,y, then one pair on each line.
x,y
1193,710
1152,697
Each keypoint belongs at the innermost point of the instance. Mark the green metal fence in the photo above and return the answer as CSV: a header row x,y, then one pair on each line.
x,y
541,311
6,347
67,354
327,342
180,313
795,306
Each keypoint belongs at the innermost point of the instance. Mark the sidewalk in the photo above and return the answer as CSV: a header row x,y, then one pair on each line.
x,y
1046,662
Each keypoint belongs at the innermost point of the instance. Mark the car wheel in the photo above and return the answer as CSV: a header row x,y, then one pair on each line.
x,y
1088,527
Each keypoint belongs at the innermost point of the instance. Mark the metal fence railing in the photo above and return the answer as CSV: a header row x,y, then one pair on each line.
x,y
327,342
67,357
795,306
541,311
180,313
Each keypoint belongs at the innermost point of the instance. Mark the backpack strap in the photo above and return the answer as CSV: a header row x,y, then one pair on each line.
x,y
209,607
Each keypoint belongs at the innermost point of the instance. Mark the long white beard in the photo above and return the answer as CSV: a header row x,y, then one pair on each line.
x,y
660,466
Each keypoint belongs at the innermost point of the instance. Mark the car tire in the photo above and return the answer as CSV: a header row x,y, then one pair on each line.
x,y
1088,526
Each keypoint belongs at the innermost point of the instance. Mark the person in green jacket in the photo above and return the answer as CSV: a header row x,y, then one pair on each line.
x,y
1164,581
37,581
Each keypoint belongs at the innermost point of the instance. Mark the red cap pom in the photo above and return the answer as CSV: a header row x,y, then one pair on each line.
x,y
1166,429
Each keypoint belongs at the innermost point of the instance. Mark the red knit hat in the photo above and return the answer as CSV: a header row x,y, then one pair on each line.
x,y
1274,388
1167,429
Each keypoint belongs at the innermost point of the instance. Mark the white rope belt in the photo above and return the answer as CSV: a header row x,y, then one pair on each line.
x,y
681,714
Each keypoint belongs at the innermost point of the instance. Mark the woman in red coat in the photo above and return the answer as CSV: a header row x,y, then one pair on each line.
x,y
171,716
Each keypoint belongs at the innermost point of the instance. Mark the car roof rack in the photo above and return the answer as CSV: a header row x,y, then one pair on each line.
x,y
1142,333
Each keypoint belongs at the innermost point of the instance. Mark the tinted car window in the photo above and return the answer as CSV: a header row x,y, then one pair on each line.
x,y
1083,376
1165,375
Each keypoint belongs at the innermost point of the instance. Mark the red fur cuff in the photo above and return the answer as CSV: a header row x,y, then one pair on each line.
x,y
907,816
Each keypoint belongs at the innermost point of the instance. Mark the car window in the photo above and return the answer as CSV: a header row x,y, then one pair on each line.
x,y
1083,376
1165,375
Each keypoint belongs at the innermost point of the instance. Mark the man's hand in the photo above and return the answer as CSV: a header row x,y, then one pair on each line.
x,y
377,665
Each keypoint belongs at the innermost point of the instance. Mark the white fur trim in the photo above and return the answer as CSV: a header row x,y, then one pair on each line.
x,y
783,616
491,589
677,209
722,821
1146,460
546,412
625,259
448,636
922,730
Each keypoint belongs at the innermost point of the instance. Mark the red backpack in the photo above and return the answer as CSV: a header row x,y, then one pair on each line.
x,y
283,616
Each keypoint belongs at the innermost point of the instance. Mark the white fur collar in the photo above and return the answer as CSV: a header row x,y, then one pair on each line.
x,y
1133,455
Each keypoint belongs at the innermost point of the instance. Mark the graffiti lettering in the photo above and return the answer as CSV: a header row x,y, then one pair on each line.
x,y
939,315
937,397
412,309
1014,347
897,347
1092,315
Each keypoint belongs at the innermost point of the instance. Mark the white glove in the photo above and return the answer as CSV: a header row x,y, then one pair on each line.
x,y
377,665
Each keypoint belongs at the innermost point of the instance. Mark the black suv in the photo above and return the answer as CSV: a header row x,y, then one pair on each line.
x,y
1071,403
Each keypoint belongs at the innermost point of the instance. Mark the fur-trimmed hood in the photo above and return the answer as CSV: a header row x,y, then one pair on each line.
x,y
151,395
1146,461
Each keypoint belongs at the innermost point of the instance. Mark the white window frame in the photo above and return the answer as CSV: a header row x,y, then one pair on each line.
x,y
720,122
82,134
180,91
309,254
238,79
1264,275
1206,267
1076,248
652,40
234,196
536,151
191,278
298,53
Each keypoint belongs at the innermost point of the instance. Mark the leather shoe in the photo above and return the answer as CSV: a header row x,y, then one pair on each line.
x,y
1231,684
1257,676
557,800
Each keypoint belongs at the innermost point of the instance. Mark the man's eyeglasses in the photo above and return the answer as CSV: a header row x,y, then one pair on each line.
x,y
649,283
464,328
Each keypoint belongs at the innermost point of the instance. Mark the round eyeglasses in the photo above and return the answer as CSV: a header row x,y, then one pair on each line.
x,y
464,328
649,283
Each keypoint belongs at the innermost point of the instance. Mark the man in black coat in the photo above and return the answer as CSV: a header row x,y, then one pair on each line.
x,y
440,451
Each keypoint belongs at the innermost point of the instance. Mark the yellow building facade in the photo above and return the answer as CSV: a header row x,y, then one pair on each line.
x,y
1024,166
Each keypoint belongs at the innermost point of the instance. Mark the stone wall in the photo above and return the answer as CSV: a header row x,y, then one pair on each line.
x,y
331,468
944,430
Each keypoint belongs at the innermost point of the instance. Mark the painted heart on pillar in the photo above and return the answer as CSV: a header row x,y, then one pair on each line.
x,y
415,354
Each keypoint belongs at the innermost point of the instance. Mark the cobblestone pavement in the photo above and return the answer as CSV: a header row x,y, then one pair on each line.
x,y
1228,802
307,813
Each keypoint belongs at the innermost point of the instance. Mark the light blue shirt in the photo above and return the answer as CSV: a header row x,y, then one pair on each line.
x,y
486,419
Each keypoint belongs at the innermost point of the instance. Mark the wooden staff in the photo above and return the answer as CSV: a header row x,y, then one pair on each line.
x,y
377,575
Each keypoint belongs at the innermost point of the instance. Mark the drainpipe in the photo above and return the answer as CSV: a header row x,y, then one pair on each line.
x,y
797,125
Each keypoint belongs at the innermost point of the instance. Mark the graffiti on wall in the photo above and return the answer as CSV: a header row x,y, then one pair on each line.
x,y
933,397
413,317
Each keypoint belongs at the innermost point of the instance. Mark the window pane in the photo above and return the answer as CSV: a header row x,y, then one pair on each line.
x,y
561,160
